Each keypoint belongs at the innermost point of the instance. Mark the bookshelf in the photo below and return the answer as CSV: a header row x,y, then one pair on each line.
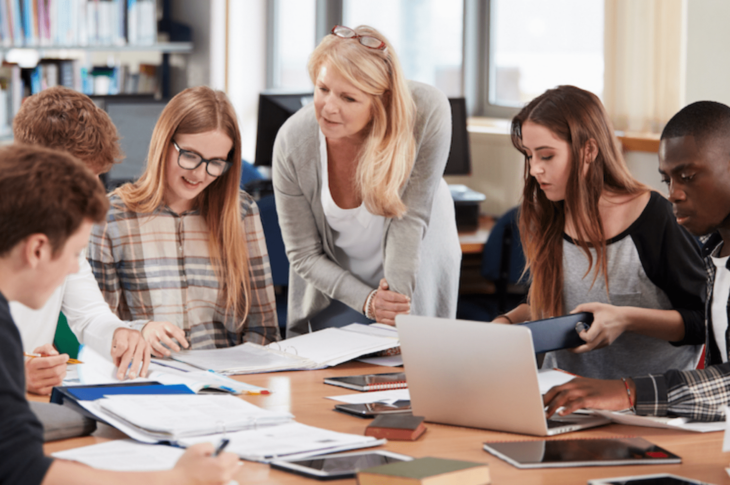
x,y
98,47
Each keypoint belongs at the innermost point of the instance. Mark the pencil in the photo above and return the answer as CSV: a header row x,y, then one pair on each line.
x,y
33,356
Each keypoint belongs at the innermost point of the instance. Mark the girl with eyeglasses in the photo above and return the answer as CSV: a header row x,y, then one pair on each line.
x,y
597,240
367,220
183,244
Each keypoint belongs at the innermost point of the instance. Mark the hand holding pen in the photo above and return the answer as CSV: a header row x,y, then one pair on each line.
x,y
44,372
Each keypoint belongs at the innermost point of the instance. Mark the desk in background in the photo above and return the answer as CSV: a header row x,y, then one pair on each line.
x,y
302,393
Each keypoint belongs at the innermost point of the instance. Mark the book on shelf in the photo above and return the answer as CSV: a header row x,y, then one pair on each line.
x,y
426,471
32,23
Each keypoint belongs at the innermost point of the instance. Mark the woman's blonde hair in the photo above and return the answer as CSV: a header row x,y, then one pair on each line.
x,y
575,116
387,156
200,110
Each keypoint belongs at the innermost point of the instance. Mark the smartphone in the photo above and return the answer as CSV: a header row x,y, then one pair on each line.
x,y
370,410
341,465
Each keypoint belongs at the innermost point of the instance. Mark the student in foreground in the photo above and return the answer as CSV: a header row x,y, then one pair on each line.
x,y
597,240
694,160
367,219
183,244
49,203
64,119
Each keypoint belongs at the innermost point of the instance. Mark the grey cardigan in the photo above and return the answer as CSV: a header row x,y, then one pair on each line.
x,y
421,252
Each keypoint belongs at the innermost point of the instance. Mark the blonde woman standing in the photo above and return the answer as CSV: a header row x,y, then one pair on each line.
x,y
367,220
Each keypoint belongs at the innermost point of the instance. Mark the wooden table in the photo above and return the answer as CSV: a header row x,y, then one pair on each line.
x,y
302,393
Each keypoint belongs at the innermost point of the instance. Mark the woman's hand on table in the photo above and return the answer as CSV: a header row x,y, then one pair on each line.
x,y
158,333
387,304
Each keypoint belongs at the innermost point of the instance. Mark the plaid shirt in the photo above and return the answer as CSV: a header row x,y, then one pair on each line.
x,y
700,395
156,266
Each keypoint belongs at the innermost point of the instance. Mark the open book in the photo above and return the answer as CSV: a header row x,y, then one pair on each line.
x,y
316,350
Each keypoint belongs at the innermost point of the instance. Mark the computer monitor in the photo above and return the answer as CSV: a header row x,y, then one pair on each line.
x,y
135,118
459,161
274,110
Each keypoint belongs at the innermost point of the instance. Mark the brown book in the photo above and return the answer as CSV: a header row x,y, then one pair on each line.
x,y
405,427
426,471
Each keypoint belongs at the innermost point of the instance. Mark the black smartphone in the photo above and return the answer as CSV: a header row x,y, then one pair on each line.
x,y
370,410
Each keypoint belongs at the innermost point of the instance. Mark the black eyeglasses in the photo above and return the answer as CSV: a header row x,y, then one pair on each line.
x,y
191,160
366,40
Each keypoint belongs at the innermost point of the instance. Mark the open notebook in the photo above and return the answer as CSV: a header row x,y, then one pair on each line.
x,y
316,350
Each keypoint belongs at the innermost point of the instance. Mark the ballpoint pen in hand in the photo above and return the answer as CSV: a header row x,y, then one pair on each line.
x,y
221,446
33,356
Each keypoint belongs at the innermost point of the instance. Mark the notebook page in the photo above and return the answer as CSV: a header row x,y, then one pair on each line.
x,y
288,440
242,359
186,415
332,346
124,455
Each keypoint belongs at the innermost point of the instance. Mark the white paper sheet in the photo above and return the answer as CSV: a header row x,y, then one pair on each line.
x,y
549,378
292,440
389,396
96,369
632,419
124,455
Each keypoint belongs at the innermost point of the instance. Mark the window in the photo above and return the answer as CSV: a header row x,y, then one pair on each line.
x,y
426,34
536,45
292,42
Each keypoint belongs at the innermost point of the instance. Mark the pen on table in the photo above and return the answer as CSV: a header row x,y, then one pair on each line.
x,y
221,446
33,356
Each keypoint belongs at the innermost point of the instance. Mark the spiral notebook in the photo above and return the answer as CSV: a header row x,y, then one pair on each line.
x,y
370,382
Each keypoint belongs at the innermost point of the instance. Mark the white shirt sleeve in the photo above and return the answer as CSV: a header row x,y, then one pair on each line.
x,y
88,315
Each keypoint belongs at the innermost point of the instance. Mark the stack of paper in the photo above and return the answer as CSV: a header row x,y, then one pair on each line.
x,y
292,440
628,417
156,418
315,350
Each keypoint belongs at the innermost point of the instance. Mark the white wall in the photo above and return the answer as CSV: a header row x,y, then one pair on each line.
x,y
708,57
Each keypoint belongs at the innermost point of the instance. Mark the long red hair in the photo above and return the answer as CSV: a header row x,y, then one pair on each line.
x,y
577,117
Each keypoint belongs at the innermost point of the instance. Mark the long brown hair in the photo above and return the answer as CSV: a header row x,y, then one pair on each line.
x,y
577,117
386,158
199,110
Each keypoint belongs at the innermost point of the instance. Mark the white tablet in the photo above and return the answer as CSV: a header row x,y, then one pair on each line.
x,y
341,465
660,479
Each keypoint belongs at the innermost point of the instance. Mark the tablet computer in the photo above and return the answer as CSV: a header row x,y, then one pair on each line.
x,y
372,409
341,465
559,332
581,452
660,479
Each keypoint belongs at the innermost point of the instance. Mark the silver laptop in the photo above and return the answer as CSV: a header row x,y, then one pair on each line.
x,y
480,375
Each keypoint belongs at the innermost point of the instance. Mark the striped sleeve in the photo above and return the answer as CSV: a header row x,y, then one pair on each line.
x,y
261,325
700,395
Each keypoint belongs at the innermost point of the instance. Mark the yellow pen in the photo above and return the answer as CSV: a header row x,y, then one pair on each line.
x,y
33,356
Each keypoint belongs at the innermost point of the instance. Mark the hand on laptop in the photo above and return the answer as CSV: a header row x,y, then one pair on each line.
x,y
158,333
582,393
43,373
130,353
387,304
609,323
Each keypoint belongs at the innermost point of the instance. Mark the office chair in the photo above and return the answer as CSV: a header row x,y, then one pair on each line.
x,y
502,263
277,255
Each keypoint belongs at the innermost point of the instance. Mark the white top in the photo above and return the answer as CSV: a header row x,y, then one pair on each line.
x,y
358,234
720,296
87,313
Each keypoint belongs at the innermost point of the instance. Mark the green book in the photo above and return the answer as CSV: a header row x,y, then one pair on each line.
x,y
426,471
